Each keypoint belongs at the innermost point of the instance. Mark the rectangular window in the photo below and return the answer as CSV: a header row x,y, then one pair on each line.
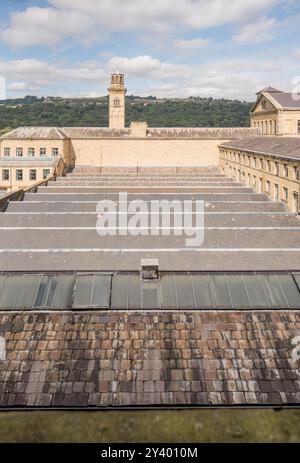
x,y
295,202
6,151
19,174
32,174
285,194
249,180
276,192
5,174
31,152
286,170
269,166
276,168
268,187
296,172
298,126
43,152
260,183
19,151
46,173
54,151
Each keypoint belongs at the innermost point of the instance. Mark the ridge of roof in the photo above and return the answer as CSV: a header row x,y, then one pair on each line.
x,y
269,90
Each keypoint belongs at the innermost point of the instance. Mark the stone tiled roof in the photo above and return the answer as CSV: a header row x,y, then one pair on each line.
x,y
50,133
95,132
287,147
149,358
203,132
54,133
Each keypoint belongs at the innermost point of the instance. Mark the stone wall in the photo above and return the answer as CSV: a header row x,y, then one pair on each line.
x,y
145,152
282,122
13,144
278,178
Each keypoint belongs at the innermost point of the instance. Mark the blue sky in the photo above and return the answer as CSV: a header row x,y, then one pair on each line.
x,y
172,48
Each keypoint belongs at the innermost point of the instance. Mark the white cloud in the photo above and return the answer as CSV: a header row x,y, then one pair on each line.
x,y
148,67
229,78
20,87
258,32
90,21
296,53
35,75
190,46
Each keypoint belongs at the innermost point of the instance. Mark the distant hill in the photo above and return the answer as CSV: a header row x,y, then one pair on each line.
x,y
185,112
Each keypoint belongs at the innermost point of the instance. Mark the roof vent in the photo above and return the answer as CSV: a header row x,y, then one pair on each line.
x,y
149,269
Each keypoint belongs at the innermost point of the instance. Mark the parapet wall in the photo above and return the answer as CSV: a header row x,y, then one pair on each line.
x,y
160,147
136,146
145,152
201,133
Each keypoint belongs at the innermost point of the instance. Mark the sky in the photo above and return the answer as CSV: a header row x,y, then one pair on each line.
x,y
166,48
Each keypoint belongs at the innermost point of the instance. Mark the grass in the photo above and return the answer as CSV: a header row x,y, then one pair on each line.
x,y
151,426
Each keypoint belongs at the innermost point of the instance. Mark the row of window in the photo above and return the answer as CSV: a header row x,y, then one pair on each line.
x,y
30,151
267,127
20,174
257,183
270,166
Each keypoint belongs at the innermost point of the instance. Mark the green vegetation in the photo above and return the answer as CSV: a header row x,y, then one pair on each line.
x,y
191,112
151,426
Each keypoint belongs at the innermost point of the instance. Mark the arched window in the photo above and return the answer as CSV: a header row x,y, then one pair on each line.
x,y
116,102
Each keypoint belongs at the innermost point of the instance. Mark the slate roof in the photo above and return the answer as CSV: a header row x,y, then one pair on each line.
x,y
286,100
284,147
269,90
